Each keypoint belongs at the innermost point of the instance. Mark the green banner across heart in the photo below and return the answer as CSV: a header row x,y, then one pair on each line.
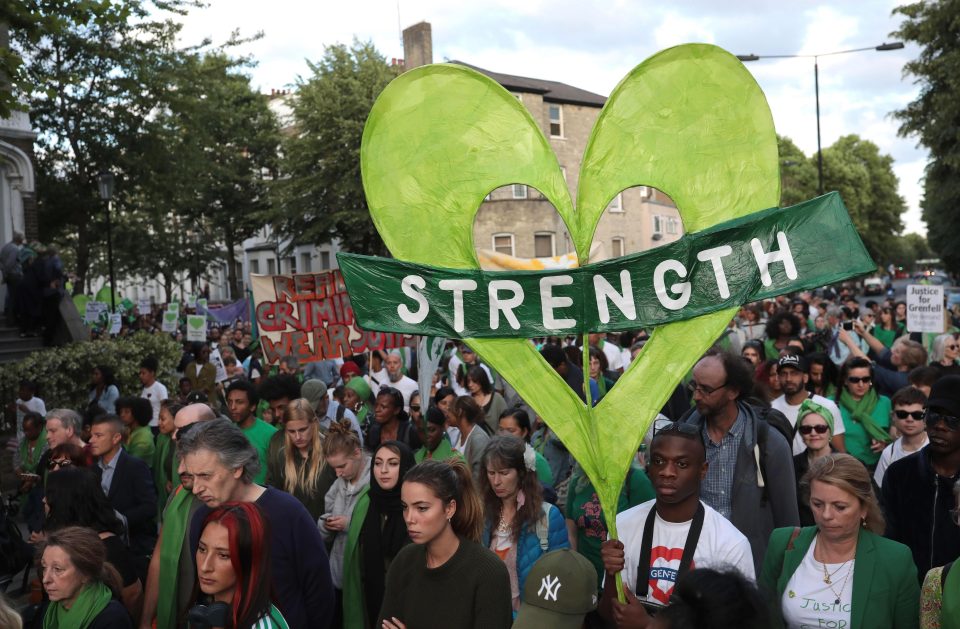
x,y
759,256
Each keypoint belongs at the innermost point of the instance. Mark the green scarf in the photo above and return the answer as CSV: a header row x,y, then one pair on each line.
x,y
602,386
161,456
950,609
90,602
175,522
30,458
861,412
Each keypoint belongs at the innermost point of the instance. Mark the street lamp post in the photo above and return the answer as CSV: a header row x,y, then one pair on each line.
x,y
816,86
105,184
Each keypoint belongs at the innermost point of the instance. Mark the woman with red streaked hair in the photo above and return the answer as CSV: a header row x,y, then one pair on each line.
x,y
233,569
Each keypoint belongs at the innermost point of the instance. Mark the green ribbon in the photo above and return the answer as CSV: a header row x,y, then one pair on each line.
x,y
89,603
743,260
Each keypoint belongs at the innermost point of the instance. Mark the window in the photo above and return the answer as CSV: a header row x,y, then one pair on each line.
x,y
556,121
673,225
519,191
305,263
255,266
644,192
324,260
271,266
657,224
544,245
616,247
291,265
616,204
503,243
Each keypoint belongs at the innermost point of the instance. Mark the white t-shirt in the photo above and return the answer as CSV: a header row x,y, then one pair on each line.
x,y
156,393
791,414
614,357
893,452
721,545
405,385
809,602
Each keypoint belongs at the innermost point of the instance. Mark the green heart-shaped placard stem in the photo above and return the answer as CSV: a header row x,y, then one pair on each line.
x,y
690,121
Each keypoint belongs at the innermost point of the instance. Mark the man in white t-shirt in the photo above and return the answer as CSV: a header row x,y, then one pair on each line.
x,y
792,372
677,465
404,384
27,402
153,389
907,415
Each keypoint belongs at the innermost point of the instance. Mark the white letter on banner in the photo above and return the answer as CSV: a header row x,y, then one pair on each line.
x,y
548,302
458,287
409,286
498,304
765,259
714,255
622,300
660,287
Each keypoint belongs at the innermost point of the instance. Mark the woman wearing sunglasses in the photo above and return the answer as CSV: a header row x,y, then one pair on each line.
x,y
944,354
815,425
866,415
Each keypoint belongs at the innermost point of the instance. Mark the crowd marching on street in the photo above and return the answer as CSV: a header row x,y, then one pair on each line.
x,y
805,473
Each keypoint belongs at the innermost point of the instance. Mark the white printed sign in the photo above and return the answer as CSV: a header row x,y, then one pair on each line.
x,y
93,310
196,328
144,306
217,361
115,323
170,320
924,308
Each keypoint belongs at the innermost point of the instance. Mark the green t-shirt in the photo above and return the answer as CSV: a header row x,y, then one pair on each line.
x,y
583,507
140,445
259,435
857,439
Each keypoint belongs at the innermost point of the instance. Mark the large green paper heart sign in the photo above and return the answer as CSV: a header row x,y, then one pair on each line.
x,y
690,121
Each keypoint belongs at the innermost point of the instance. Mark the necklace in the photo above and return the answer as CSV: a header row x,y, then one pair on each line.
x,y
504,525
827,576
843,586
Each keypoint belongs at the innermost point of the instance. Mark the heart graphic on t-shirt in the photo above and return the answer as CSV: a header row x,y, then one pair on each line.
x,y
664,564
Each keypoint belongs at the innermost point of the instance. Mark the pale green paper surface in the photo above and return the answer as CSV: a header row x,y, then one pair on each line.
x,y
690,121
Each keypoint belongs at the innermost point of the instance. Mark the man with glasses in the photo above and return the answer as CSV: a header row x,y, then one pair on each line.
x,y
918,489
750,477
663,538
907,416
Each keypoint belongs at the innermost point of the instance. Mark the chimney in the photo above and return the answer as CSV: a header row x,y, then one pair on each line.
x,y
417,46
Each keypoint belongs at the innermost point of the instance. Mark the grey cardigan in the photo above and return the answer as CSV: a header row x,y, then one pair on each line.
x,y
340,500
753,516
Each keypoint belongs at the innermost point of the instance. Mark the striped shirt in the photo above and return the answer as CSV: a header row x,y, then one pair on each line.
x,y
717,488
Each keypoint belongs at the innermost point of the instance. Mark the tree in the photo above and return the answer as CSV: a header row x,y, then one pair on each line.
x,y
934,117
798,174
320,195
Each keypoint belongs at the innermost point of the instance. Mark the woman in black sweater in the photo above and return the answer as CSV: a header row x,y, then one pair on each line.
x,y
445,578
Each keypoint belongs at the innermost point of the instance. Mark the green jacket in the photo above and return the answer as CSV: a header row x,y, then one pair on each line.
x,y
354,609
886,594
443,452
140,445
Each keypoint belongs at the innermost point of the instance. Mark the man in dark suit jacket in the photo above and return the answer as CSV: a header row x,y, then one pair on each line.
x,y
127,482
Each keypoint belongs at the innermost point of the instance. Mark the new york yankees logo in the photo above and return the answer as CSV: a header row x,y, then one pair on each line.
x,y
551,587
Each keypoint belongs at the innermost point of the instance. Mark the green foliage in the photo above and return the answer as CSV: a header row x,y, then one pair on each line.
x,y
63,373
906,250
320,196
798,173
934,117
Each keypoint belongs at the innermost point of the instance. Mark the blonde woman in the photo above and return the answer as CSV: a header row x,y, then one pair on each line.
x,y
300,469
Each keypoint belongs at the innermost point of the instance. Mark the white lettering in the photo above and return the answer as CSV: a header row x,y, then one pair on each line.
x,y
659,285
622,300
549,588
498,304
765,259
548,303
458,287
409,286
714,255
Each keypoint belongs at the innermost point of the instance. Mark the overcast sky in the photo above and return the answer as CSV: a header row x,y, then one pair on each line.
x,y
592,45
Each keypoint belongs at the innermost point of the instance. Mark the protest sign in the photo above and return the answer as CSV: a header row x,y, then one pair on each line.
x,y
93,311
144,307
201,304
309,316
924,308
196,328
191,301
170,321
116,322
174,306
217,360
429,352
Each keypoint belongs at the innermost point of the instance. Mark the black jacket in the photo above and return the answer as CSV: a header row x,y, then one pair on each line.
x,y
133,494
916,504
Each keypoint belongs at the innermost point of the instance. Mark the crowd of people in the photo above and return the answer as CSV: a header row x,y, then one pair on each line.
x,y
806,472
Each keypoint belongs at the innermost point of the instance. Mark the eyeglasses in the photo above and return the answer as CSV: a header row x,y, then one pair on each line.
x,y
414,407
819,429
917,415
932,418
668,425
952,348
855,380
58,463
703,389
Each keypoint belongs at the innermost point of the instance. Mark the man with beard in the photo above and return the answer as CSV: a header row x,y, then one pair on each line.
x,y
171,575
793,376
405,385
918,489
663,538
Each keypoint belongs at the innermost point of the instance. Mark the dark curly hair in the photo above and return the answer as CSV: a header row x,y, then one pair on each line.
x,y
773,325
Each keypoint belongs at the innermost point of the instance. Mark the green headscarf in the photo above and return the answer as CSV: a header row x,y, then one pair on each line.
x,y
808,407
92,600
363,391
